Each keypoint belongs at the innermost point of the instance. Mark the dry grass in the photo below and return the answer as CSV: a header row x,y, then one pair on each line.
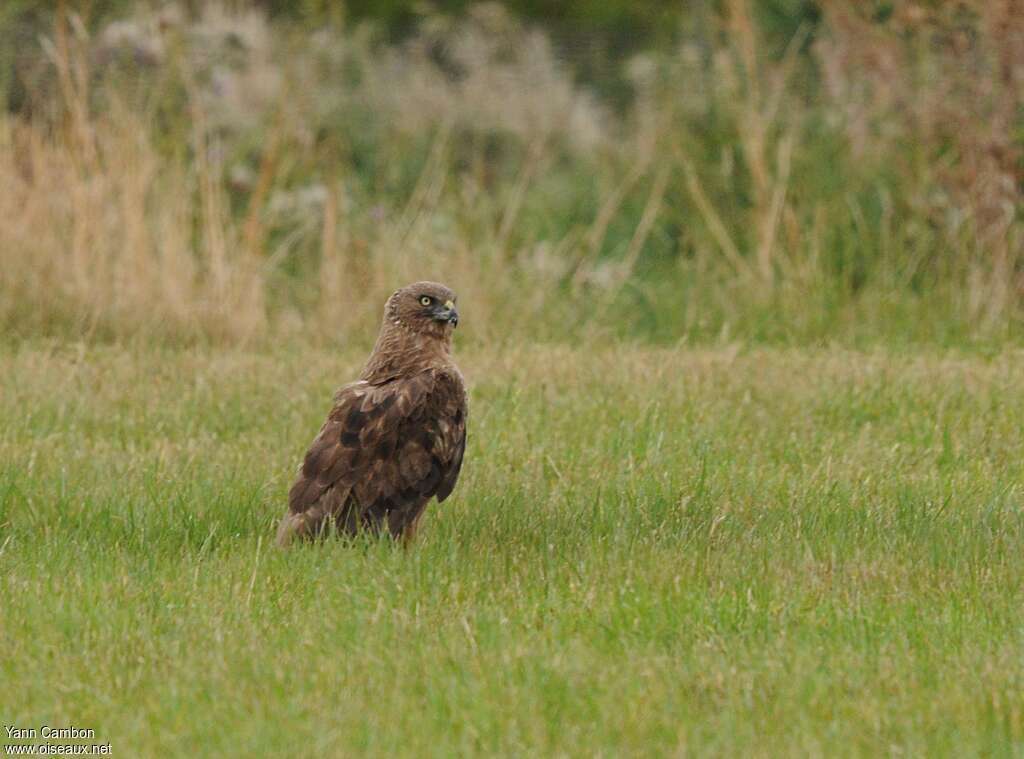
x,y
239,181
940,90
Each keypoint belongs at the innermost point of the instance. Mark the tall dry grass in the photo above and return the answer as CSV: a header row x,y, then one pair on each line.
x,y
110,233
217,176
939,90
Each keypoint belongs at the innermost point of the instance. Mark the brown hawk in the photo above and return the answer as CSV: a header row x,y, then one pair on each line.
x,y
395,437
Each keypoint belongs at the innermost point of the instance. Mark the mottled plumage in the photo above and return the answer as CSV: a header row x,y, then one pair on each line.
x,y
395,437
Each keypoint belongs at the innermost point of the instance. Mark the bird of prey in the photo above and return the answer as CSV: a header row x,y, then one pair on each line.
x,y
395,437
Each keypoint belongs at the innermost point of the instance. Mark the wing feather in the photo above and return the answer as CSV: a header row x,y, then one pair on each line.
x,y
385,447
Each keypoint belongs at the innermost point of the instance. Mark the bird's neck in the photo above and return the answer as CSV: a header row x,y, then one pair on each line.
x,y
400,352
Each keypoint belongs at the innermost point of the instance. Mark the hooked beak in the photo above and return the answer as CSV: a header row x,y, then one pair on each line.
x,y
447,313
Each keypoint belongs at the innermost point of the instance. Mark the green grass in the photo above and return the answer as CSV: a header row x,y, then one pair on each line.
x,y
652,551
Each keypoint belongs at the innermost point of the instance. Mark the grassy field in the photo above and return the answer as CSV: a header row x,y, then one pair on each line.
x,y
743,310
726,550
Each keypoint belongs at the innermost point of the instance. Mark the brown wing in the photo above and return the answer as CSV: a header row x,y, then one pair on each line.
x,y
457,439
384,448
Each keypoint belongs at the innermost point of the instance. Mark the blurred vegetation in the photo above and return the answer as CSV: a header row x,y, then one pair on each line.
x,y
783,171
595,35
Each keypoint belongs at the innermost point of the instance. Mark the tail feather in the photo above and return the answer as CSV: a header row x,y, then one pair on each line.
x,y
308,524
333,511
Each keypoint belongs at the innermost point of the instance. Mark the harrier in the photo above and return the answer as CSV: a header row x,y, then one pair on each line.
x,y
395,437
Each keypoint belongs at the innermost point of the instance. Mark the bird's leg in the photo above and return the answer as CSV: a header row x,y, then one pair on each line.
x,y
404,524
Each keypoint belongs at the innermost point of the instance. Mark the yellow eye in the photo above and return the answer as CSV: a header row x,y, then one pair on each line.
x,y
426,300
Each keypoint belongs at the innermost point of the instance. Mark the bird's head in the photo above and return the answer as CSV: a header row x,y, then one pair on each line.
x,y
426,308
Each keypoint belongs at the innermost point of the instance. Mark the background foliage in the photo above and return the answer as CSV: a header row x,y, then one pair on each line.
x,y
785,171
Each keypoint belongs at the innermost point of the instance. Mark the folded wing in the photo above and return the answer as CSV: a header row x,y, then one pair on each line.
x,y
382,453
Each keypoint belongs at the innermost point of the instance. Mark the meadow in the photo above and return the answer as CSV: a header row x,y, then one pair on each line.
x,y
742,296
730,550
